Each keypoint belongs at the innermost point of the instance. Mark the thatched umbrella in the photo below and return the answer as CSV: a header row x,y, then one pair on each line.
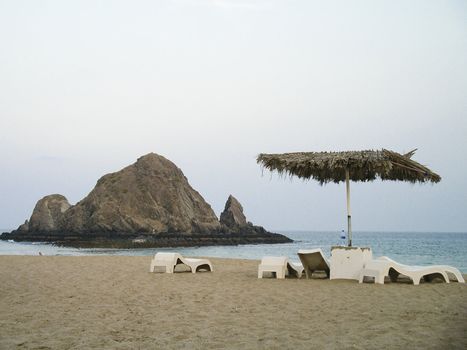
x,y
345,166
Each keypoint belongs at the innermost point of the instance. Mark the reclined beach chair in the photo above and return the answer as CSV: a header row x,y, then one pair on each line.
x,y
385,266
279,265
168,261
313,260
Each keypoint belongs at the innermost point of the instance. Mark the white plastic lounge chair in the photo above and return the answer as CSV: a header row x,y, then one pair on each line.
x,y
279,265
313,260
168,261
385,266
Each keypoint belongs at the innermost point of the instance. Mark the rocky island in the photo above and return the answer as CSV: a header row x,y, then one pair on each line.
x,y
147,204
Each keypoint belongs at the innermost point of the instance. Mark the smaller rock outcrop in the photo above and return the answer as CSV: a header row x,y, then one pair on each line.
x,y
234,222
47,214
233,213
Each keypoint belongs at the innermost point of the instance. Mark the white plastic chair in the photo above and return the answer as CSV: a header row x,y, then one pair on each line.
x,y
384,266
313,260
279,265
168,261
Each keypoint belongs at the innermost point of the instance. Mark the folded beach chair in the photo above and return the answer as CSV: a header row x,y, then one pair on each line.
x,y
168,261
279,265
313,260
384,266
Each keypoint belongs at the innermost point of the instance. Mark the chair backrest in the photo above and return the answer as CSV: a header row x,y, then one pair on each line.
x,y
313,259
274,260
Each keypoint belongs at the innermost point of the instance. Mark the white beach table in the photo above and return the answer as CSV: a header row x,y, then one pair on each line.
x,y
348,262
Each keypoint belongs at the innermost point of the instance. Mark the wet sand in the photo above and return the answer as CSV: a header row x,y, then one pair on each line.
x,y
113,302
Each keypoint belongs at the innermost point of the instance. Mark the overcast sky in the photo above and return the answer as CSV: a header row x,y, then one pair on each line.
x,y
86,87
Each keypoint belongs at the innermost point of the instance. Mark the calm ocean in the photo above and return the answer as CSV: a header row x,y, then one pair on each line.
x,y
413,248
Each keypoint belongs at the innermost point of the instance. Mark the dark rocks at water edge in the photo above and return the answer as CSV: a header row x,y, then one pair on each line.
x,y
112,240
147,204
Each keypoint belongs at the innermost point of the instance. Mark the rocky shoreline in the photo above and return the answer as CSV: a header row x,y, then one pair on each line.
x,y
131,241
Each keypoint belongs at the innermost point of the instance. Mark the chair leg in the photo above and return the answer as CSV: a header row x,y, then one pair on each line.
x,y
446,277
430,277
416,280
379,279
457,274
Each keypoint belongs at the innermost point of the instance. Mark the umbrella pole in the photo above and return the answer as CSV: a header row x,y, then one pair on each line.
x,y
349,216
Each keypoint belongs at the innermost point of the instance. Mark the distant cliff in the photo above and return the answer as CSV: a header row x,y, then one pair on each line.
x,y
149,203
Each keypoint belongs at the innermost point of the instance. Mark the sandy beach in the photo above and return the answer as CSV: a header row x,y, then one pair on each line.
x,y
113,302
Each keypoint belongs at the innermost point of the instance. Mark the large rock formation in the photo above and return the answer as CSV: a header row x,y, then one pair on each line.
x,y
149,203
150,196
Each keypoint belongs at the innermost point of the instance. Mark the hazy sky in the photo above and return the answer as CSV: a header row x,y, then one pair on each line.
x,y
86,87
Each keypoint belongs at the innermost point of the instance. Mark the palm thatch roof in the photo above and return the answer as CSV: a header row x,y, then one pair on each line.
x,y
362,165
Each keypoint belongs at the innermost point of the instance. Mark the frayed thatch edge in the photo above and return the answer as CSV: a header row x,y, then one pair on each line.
x,y
367,165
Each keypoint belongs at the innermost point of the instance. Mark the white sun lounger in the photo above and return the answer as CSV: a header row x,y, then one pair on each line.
x,y
313,260
167,262
385,266
279,265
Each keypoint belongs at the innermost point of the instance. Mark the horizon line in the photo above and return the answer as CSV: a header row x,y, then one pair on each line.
x,y
365,231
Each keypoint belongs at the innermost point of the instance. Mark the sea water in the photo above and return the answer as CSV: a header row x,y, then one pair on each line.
x,y
411,248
